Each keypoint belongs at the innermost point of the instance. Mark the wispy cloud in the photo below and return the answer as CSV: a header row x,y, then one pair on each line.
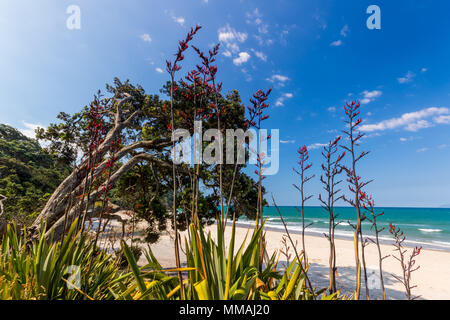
x,y
260,55
412,121
255,18
336,43
316,146
369,96
332,109
280,100
231,38
227,34
179,20
159,70
443,119
407,78
29,129
278,79
287,141
242,58
345,30
422,149
146,37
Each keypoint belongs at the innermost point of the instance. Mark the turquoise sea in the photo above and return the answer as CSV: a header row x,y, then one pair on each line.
x,y
427,227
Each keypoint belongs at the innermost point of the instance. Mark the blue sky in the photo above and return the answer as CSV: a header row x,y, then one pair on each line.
x,y
315,54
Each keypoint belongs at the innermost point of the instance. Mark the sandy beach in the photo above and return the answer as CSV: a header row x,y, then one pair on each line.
x,y
432,279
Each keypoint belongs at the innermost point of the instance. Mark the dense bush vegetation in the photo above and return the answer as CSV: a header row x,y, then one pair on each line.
x,y
28,174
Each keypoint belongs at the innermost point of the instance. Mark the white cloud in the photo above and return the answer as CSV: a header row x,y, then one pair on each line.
x,y
260,55
279,79
422,149
29,129
287,141
369,96
146,37
424,70
280,100
179,20
227,53
228,34
159,70
407,78
230,37
264,28
345,30
243,58
403,139
444,119
316,146
336,43
412,121
332,109
255,18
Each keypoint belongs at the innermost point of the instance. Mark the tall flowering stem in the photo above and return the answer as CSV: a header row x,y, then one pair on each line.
x,y
355,186
210,70
256,117
108,171
331,170
172,68
407,263
97,131
304,166
369,206
193,96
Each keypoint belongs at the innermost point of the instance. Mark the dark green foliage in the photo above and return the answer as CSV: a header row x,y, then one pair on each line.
x,y
28,174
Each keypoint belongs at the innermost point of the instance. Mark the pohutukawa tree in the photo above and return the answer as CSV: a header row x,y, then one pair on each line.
x,y
126,139
125,114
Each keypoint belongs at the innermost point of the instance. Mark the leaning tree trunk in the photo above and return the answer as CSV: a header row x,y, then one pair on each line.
x,y
67,200
66,218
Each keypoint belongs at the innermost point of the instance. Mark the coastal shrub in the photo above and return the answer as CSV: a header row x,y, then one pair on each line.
x,y
72,269
216,271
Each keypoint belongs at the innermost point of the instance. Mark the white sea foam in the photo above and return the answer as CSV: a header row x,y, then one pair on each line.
x,y
430,230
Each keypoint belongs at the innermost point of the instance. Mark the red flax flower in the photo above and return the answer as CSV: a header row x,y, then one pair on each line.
x,y
172,68
355,186
254,120
331,170
303,167
408,264
183,45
